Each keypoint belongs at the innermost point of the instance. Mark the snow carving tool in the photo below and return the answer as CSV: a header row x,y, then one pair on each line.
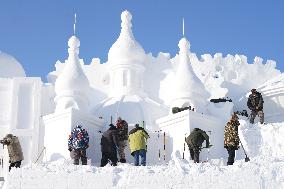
x,y
164,146
247,158
208,149
159,153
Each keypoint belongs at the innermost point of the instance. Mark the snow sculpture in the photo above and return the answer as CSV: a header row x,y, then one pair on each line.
x,y
72,108
10,67
126,96
72,85
188,90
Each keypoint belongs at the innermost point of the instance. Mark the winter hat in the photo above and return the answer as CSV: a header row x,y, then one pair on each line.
x,y
9,136
111,125
234,116
253,90
136,125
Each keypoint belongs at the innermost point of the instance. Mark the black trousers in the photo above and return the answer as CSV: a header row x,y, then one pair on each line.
x,y
78,154
109,156
194,154
16,164
231,151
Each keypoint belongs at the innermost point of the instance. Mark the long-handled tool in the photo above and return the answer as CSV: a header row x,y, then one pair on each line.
x,y
159,152
184,146
164,146
247,158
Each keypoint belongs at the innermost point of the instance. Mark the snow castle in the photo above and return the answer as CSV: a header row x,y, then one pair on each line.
x,y
140,88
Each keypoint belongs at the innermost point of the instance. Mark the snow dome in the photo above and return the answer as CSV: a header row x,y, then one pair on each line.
x,y
126,49
10,67
126,95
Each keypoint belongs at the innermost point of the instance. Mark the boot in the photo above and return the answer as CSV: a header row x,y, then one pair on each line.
x,y
76,162
84,161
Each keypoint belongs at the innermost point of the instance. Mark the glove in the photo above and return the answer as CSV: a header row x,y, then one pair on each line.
x,y
209,146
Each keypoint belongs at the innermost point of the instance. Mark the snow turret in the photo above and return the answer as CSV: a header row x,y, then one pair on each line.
x,y
125,59
126,97
188,89
72,85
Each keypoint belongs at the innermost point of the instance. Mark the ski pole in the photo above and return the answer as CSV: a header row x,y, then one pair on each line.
x,y
111,119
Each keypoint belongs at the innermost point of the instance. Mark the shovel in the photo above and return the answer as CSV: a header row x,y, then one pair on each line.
x,y
247,158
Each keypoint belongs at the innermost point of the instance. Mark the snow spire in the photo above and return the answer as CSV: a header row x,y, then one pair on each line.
x,y
72,85
74,27
189,90
183,27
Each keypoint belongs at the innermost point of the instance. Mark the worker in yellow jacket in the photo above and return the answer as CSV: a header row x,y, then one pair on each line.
x,y
137,142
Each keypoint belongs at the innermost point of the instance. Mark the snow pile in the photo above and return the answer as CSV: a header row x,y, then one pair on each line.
x,y
10,67
237,74
265,140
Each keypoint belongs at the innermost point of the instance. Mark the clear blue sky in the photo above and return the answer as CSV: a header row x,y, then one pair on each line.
x,y
36,31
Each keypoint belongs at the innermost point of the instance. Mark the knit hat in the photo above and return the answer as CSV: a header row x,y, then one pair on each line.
x,y
111,125
136,125
253,90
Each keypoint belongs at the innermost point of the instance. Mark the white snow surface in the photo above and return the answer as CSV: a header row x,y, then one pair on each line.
x,y
264,144
10,67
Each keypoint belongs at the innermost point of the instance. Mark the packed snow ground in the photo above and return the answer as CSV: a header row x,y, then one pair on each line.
x,y
264,144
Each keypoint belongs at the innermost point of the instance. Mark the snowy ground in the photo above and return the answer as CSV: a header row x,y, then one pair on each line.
x,y
264,144
260,172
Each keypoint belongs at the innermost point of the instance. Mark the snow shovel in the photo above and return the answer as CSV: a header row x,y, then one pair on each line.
x,y
247,158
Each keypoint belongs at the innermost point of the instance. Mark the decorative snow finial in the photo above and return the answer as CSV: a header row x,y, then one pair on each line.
x,y
74,27
183,27
184,45
74,44
126,24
